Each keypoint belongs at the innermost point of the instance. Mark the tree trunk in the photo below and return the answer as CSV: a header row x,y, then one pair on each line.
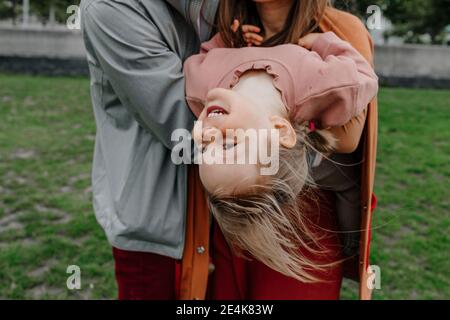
x,y
25,12
52,16
13,13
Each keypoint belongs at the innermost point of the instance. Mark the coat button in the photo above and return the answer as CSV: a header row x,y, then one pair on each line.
x,y
211,268
201,250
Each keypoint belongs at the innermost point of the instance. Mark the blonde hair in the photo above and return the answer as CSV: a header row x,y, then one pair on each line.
x,y
267,222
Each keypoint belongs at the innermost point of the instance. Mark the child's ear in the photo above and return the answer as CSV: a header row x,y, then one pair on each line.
x,y
288,136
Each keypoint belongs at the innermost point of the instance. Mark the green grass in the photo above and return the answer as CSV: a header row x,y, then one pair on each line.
x,y
46,219
46,145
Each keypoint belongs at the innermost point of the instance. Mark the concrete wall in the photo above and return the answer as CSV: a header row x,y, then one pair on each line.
x,y
61,44
42,51
59,52
413,65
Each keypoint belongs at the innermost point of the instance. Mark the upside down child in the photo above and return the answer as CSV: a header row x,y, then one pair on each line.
x,y
300,93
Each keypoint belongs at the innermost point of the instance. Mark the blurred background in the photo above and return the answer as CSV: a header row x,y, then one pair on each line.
x,y
47,134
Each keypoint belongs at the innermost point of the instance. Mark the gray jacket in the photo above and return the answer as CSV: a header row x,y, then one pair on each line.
x,y
135,50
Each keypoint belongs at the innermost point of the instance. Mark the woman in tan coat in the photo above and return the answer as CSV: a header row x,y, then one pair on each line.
x,y
362,139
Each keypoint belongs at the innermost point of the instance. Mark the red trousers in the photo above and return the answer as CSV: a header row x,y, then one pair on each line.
x,y
148,276
144,276
238,278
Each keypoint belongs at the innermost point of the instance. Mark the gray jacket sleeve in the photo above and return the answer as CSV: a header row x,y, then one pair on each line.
x,y
145,74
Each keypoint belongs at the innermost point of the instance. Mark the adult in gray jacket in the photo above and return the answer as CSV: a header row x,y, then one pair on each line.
x,y
135,51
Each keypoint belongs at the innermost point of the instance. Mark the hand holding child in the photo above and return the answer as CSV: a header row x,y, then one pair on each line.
x,y
250,33
308,40
253,38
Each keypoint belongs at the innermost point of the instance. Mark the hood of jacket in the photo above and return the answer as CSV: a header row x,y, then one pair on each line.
x,y
199,14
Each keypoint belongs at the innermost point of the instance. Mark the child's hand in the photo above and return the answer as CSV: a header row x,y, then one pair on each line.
x,y
250,33
308,40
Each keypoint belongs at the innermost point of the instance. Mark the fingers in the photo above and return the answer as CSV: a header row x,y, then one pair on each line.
x,y
308,40
250,33
303,43
250,28
253,38
235,25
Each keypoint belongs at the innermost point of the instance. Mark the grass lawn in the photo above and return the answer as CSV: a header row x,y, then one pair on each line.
x,y
46,219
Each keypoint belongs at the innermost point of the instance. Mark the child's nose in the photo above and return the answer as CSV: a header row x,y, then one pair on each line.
x,y
217,94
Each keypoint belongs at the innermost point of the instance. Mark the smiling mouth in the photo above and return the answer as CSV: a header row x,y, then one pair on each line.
x,y
215,111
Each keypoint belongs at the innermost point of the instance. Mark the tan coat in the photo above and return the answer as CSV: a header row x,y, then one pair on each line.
x,y
194,267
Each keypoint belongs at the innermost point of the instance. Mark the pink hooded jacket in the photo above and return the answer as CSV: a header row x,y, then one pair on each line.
x,y
330,84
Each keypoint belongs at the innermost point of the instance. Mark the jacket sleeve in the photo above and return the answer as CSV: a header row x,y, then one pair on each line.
x,y
349,135
144,73
341,83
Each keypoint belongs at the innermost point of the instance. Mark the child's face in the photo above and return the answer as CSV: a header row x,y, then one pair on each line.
x,y
252,106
